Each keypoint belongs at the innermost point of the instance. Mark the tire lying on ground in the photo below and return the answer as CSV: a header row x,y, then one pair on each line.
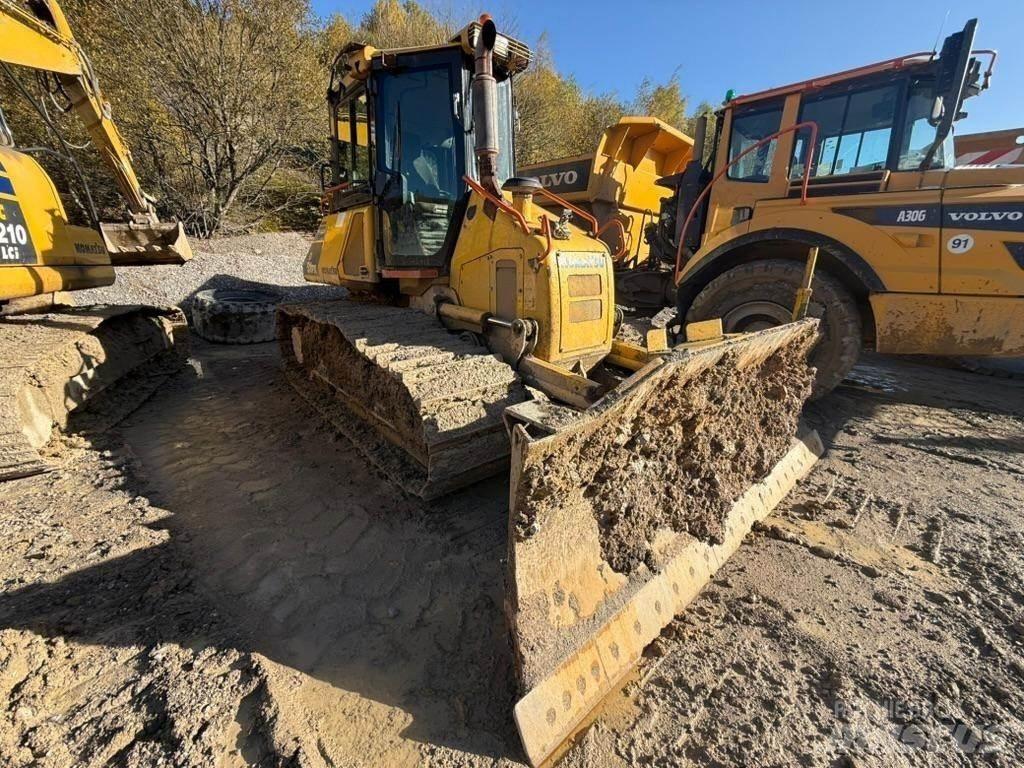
x,y
761,294
234,316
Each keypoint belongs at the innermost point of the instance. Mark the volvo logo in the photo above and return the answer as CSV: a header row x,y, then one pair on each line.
x,y
558,178
968,216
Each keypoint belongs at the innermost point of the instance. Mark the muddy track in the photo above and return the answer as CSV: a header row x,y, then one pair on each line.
x,y
424,405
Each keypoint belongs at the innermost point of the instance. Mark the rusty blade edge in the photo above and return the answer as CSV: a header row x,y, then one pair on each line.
x,y
554,709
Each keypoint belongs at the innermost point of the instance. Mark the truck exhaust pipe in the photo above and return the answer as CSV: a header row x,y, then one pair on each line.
x,y
485,105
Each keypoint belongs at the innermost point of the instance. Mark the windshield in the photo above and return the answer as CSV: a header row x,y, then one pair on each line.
x,y
919,134
420,149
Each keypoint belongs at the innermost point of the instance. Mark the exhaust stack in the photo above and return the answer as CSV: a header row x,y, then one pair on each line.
x,y
485,105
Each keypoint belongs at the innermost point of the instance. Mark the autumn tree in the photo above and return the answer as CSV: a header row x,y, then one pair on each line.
x,y
223,103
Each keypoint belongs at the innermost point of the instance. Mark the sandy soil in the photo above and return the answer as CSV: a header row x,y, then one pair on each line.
x,y
219,580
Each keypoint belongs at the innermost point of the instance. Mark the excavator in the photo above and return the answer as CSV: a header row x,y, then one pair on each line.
x,y
480,335
915,256
56,357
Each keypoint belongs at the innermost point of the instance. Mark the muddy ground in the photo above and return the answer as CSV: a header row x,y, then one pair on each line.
x,y
220,581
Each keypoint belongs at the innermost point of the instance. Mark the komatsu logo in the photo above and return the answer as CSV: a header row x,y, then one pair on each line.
x,y
968,216
558,178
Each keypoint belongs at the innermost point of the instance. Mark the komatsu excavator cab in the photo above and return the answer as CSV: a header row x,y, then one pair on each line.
x,y
403,135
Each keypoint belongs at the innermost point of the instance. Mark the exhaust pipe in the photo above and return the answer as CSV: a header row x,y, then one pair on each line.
x,y
700,136
485,105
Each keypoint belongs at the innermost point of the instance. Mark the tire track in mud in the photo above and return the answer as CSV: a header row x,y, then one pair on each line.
x,y
377,617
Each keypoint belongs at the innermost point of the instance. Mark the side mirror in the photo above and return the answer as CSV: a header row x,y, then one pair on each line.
x,y
951,75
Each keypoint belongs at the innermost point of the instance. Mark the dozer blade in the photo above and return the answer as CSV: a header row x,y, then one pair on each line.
x,y
620,514
138,245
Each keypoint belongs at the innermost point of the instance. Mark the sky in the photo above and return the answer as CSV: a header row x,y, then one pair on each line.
x,y
611,46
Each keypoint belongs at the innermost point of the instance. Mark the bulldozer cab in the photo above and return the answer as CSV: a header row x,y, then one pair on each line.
x,y
403,138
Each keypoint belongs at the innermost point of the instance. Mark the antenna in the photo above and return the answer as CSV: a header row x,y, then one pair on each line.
x,y
942,26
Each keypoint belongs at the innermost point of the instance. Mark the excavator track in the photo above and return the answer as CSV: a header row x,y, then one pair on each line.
x,y
424,405
51,364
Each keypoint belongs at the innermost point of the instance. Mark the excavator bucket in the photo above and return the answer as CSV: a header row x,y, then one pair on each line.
x,y
142,245
620,514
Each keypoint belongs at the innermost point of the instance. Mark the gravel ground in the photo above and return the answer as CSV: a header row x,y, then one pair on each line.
x,y
221,581
253,261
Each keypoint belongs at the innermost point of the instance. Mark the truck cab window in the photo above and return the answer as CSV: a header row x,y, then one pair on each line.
x,y
353,142
918,133
747,131
854,132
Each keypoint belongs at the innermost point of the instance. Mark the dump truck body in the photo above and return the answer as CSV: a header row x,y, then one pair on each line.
x,y
619,181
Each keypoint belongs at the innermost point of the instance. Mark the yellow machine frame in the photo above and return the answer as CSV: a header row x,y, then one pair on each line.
x,y
40,251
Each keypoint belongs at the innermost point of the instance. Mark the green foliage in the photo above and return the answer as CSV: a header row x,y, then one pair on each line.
x,y
222,103
665,101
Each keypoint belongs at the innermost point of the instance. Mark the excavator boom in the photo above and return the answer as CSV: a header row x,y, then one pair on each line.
x,y
37,36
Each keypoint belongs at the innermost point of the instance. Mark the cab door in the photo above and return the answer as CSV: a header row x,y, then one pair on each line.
x,y
982,240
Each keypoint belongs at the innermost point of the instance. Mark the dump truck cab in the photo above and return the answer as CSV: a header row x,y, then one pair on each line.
x,y
916,256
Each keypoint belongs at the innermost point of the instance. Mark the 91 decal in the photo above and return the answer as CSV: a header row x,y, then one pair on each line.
x,y
960,244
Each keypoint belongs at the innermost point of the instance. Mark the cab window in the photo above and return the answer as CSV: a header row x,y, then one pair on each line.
x,y
353,142
747,130
854,132
918,133
420,152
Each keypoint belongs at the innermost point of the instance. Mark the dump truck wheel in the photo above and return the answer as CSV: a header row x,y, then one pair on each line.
x,y
228,316
761,294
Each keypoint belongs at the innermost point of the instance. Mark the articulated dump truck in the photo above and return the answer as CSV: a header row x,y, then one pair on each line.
x,y
52,357
915,255
479,336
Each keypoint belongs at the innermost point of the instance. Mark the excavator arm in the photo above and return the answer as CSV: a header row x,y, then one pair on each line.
x,y
36,35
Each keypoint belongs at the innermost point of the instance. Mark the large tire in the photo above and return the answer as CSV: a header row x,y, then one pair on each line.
x,y
228,316
761,294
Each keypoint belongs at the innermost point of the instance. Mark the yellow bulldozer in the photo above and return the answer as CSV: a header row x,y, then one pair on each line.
x,y
480,335
915,255
55,357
